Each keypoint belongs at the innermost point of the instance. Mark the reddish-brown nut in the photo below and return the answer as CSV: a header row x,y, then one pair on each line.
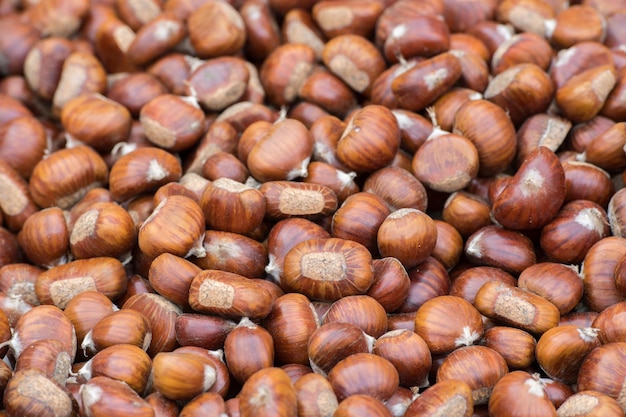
x,y
60,284
66,175
359,218
125,326
232,207
161,314
340,182
155,38
142,170
585,220
269,392
412,367
517,307
478,366
30,391
284,71
490,129
355,60
172,70
560,284
448,396
541,129
172,122
432,78
568,341
425,35
371,139
328,269
229,295
360,310
468,282
603,371
219,82
520,387
512,88
607,322
587,403
86,309
526,202
285,235
466,212
216,29
285,199
102,395
288,139
516,346
446,162
578,23
432,324
348,377
427,280
233,252
525,47
407,234
106,229
582,96
598,273
397,187
44,238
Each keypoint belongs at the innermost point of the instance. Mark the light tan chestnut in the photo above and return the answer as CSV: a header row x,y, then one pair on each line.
x,y
175,226
328,269
407,234
60,284
433,324
229,295
517,307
